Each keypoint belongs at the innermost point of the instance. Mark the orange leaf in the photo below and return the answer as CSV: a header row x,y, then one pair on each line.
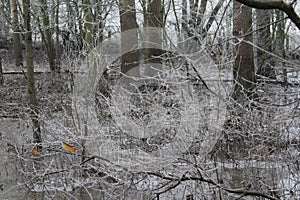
x,y
34,150
68,147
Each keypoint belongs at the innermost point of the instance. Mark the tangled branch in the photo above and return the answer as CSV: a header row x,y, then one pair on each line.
x,y
184,178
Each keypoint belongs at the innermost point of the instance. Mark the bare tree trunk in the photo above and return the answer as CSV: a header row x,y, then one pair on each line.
x,y
201,12
129,39
30,73
80,37
48,39
184,17
279,46
16,33
1,72
154,21
264,41
57,48
88,24
195,25
243,69
212,16
100,11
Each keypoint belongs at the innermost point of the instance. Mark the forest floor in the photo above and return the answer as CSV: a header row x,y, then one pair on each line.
x,y
276,110
267,131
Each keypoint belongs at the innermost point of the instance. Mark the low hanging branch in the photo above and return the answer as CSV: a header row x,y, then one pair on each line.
x,y
275,4
179,180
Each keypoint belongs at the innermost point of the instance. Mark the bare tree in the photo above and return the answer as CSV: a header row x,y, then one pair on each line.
x,y
93,20
129,35
264,42
16,33
46,32
243,69
88,23
280,47
101,11
1,72
30,73
5,18
154,20
57,43
116,162
196,24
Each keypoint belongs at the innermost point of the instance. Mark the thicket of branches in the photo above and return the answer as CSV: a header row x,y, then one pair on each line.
x,y
206,125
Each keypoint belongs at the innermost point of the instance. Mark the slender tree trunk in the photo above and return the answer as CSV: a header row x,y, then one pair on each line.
x,y
201,12
264,41
193,13
16,33
184,18
184,26
88,24
280,38
243,69
57,33
49,42
30,73
129,35
154,21
1,72
194,24
100,22
212,17
80,37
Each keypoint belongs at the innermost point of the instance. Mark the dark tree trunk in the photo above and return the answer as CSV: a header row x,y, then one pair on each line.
x,y
243,69
154,21
30,74
264,41
1,72
16,33
48,38
129,35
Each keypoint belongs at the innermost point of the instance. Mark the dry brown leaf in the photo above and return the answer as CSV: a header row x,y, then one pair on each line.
x,y
34,150
68,147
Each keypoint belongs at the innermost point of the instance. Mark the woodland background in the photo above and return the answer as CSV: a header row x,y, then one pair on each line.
x,y
51,150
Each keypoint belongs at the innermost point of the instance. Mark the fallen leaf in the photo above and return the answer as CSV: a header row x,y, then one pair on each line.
x,y
34,150
68,147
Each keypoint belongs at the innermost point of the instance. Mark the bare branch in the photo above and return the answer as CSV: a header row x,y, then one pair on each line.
x,y
275,4
210,181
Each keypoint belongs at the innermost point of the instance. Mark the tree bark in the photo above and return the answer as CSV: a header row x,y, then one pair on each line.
x,y
129,39
154,21
16,34
48,39
184,18
80,37
279,44
57,48
264,42
88,24
30,73
1,72
100,19
243,69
